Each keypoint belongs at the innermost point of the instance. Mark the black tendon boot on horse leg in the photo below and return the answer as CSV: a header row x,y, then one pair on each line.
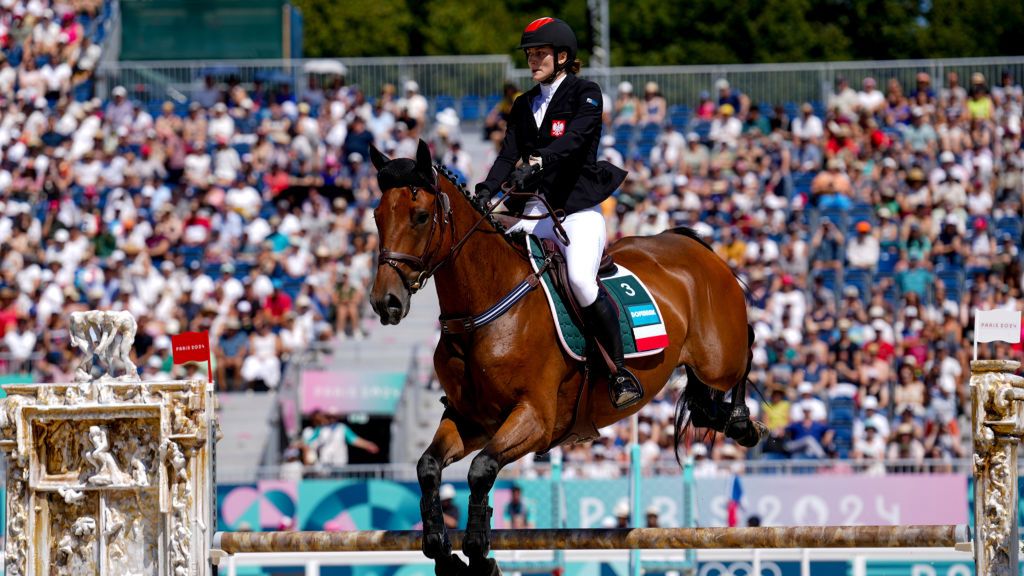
x,y
435,544
476,542
602,319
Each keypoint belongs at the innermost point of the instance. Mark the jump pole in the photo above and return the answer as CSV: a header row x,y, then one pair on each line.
x,y
923,536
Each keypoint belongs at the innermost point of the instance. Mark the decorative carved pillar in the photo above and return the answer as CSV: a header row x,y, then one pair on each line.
x,y
108,475
998,422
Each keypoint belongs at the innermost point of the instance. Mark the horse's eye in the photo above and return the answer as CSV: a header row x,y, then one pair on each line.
x,y
421,217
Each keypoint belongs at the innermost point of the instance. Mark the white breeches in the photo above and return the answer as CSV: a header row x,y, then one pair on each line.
x,y
587,234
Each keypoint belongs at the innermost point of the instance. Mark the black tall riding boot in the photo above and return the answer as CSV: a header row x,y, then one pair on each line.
x,y
602,319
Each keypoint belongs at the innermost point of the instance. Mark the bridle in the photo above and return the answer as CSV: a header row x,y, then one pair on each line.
x,y
421,265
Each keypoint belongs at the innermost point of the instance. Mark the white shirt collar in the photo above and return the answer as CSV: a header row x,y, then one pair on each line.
x,y
547,90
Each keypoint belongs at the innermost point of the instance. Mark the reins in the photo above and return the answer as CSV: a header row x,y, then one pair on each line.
x,y
442,204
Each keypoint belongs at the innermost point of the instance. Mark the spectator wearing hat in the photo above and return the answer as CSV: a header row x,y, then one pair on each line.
x,y
703,467
651,516
449,510
919,135
869,449
627,107
654,107
907,449
413,105
807,401
862,251
725,128
871,417
728,94
119,109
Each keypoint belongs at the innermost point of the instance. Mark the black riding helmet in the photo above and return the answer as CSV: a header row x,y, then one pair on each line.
x,y
551,32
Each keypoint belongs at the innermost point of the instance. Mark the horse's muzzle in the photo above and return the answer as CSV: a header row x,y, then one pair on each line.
x,y
391,307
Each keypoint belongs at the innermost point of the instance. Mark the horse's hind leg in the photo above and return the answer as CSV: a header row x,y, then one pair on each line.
x,y
451,442
708,410
522,432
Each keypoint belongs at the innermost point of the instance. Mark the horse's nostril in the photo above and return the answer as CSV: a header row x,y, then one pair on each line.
x,y
393,303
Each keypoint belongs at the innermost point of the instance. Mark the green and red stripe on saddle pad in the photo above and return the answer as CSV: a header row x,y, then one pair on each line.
x,y
640,320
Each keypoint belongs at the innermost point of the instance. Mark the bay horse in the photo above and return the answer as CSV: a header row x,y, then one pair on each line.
x,y
510,388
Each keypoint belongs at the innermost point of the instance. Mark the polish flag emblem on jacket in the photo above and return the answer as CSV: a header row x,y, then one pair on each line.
x,y
557,128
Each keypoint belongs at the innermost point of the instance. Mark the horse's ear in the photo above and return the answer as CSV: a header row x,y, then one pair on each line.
x,y
377,157
423,160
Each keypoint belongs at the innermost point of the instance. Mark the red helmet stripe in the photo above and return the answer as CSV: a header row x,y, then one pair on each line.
x,y
538,23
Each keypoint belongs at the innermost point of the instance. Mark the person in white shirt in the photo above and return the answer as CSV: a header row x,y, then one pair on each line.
x,y
870,100
808,126
726,128
414,103
808,401
863,249
872,418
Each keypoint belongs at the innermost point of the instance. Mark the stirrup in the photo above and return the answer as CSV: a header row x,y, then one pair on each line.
x,y
624,389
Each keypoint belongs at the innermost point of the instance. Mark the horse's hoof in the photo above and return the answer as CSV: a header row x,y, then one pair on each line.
x,y
450,565
749,434
475,545
436,545
484,567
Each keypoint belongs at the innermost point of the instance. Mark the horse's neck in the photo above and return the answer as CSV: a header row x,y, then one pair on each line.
x,y
485,269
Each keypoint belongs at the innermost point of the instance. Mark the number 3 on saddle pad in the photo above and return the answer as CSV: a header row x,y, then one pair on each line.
x,y
640,320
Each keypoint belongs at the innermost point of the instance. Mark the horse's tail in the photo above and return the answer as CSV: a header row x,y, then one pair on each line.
x,y
700,400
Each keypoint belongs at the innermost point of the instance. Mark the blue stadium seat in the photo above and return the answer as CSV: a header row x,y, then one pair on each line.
x,y
242,269
828,276
471,108
888,256
1010,225
953,280
292,286
443,101
212,270
861,280
191,254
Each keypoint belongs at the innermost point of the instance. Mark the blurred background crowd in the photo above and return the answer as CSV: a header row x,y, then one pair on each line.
x,y
867,228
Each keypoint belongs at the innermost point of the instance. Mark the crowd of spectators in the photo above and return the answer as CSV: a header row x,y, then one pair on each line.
x,y
867,229
867,234
245,211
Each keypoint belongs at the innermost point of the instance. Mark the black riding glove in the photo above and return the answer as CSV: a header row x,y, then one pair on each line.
x,y
526,178
483,193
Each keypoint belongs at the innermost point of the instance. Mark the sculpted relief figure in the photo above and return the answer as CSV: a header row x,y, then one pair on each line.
x,y
108,336
107,470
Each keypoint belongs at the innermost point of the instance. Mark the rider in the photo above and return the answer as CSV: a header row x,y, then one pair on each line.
x,y
554,129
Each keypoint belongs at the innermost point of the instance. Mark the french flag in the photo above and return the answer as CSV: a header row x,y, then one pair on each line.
x,y
735,502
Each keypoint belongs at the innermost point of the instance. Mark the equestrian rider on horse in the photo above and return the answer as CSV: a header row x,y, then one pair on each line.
x,y
554,129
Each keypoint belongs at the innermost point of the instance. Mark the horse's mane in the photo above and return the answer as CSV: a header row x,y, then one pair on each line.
x,y
473,200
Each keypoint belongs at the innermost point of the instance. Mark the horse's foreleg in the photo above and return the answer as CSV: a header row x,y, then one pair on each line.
x,y
450,443
522,432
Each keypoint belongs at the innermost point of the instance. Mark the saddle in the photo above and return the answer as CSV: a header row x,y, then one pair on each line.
x,y
581,428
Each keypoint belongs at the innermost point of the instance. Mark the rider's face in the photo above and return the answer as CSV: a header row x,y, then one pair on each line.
x,y
541,60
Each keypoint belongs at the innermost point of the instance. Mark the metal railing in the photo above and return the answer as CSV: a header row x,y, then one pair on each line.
x,y
437,76
471,84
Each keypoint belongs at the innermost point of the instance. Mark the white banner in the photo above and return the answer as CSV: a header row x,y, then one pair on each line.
x,y
1002,325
